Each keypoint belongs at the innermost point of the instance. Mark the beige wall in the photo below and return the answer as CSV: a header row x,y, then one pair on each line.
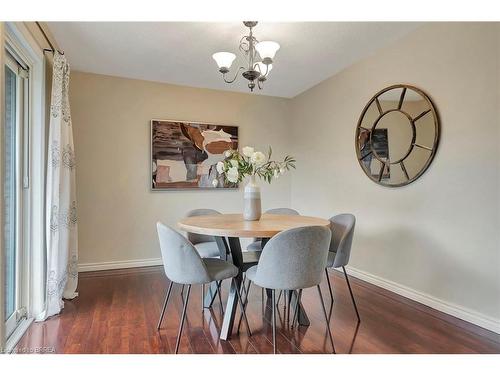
x,y
111,120
440,235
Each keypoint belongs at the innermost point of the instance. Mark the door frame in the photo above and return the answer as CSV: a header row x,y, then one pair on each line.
x,y
20,42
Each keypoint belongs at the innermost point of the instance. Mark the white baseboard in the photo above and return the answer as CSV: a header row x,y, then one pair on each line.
x,y
457,311
85,267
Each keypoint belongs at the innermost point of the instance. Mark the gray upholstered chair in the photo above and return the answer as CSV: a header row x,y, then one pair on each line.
x,y
255,248
183,265
205,245
252,255
257,244
342,227
293,260
282,211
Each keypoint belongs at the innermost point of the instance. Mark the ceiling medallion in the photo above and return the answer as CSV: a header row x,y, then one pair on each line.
x,y
259,57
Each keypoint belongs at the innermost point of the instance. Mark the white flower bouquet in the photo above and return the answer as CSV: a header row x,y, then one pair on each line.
x,y
236,166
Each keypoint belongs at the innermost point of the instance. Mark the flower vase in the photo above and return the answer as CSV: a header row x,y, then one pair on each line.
x,y
252,209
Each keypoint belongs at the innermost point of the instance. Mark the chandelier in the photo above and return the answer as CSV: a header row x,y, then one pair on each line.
x,y
256,69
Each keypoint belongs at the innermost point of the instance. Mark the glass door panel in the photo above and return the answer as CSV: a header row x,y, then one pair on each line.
x,y
15,87
10,190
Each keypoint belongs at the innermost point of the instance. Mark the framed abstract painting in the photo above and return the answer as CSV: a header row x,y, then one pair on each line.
x,y
184,154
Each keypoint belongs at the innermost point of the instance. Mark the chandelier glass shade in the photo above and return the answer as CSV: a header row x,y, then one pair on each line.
x,y
259,58
267,49
224,59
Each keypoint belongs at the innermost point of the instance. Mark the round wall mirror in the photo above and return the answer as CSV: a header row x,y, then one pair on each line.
x,y
397,135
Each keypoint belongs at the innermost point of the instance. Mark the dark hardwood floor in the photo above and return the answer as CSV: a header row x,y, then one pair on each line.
x,y
117,312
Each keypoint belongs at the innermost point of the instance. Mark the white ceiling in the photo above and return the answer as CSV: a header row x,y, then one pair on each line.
x,y
181,52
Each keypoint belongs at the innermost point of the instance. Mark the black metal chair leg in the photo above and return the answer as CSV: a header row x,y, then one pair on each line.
x,y
244,289
326,318
220,297
245,302
244,281
182,293
202,297
284,292
296,311
167,296
242,307
279,297
274,319
214,295
329,285
184,309
352,295
289,303
247,291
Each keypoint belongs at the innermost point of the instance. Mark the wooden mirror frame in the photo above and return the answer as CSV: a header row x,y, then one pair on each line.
x,y
382,113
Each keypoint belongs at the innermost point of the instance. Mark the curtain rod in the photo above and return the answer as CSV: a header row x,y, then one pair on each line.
x,y
52,49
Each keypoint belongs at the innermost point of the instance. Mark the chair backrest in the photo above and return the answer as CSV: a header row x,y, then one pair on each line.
x,y
294,259
342,227
181,261
282,211
197,238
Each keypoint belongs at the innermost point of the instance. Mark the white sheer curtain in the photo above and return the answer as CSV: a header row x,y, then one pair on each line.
x,y
61,214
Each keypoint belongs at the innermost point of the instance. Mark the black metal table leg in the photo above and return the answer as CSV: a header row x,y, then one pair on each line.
x,y
232,301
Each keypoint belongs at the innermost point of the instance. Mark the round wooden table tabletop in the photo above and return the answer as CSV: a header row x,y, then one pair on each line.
x,y
233,225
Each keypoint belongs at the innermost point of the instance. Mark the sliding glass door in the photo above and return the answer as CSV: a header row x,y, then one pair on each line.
x,y
16,111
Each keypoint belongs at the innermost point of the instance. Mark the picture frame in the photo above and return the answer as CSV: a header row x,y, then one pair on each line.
x,y
184,154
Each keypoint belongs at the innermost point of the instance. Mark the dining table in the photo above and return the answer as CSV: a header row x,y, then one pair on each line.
x,y
228,229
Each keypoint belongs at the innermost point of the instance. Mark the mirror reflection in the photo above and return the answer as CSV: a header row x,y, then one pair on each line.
x,y
397,135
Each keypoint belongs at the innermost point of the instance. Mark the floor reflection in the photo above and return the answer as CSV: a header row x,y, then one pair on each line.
x,y
354,337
